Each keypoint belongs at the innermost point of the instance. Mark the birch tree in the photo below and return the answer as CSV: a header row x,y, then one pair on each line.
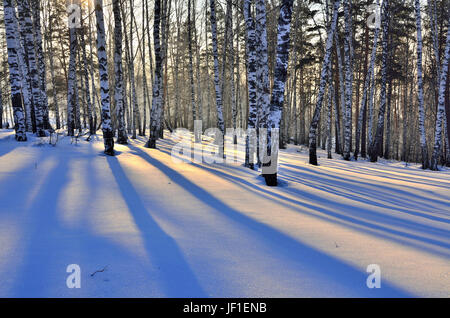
x,y
155,118
108,134
14,70
376,143
322,85
367,82
27,32
269,169
251,83
347,115
217,81
441,104
423,139
118,73
72,78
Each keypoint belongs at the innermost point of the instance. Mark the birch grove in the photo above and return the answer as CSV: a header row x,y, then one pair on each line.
x,y
363,77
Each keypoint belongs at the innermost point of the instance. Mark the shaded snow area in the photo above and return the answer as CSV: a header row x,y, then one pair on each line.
x,y
151,227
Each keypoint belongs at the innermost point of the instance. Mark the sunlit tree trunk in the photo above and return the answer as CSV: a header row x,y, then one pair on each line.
x,y
118,73
108,134
217,81
269,169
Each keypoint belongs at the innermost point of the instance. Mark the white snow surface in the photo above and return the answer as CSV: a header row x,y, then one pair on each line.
x,y
163,229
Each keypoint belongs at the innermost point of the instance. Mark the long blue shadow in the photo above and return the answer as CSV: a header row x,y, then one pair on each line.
x,y
282,245
177,277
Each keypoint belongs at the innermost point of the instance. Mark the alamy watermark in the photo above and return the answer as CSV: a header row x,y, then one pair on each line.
x,y
374,19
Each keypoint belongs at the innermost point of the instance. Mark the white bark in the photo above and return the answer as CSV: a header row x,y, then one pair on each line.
x,y
108,135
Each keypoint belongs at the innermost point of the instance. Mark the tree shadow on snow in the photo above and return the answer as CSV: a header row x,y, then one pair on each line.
x,y
177,277
341,274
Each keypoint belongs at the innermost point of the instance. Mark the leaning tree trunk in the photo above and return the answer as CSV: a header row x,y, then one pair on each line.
x,y
375,146
118,73
108,134
368,79
155,117
441,105
270,164
252,86
14,70
219,103
322,85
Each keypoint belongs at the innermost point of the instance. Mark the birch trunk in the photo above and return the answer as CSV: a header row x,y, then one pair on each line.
x,y
155,117
71,82
269,169
251,83
108,134
191,70
322,85
26,26
441,105
122,137
14,69
348,57
368,79
217,81
36,14
375,146
423,139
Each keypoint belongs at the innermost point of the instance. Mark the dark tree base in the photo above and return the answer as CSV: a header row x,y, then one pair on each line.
x,y
21,137
151,143
41,133
109,146
312,157
271,179
122,141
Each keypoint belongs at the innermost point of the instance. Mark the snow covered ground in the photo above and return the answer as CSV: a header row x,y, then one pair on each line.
x,y
165,229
